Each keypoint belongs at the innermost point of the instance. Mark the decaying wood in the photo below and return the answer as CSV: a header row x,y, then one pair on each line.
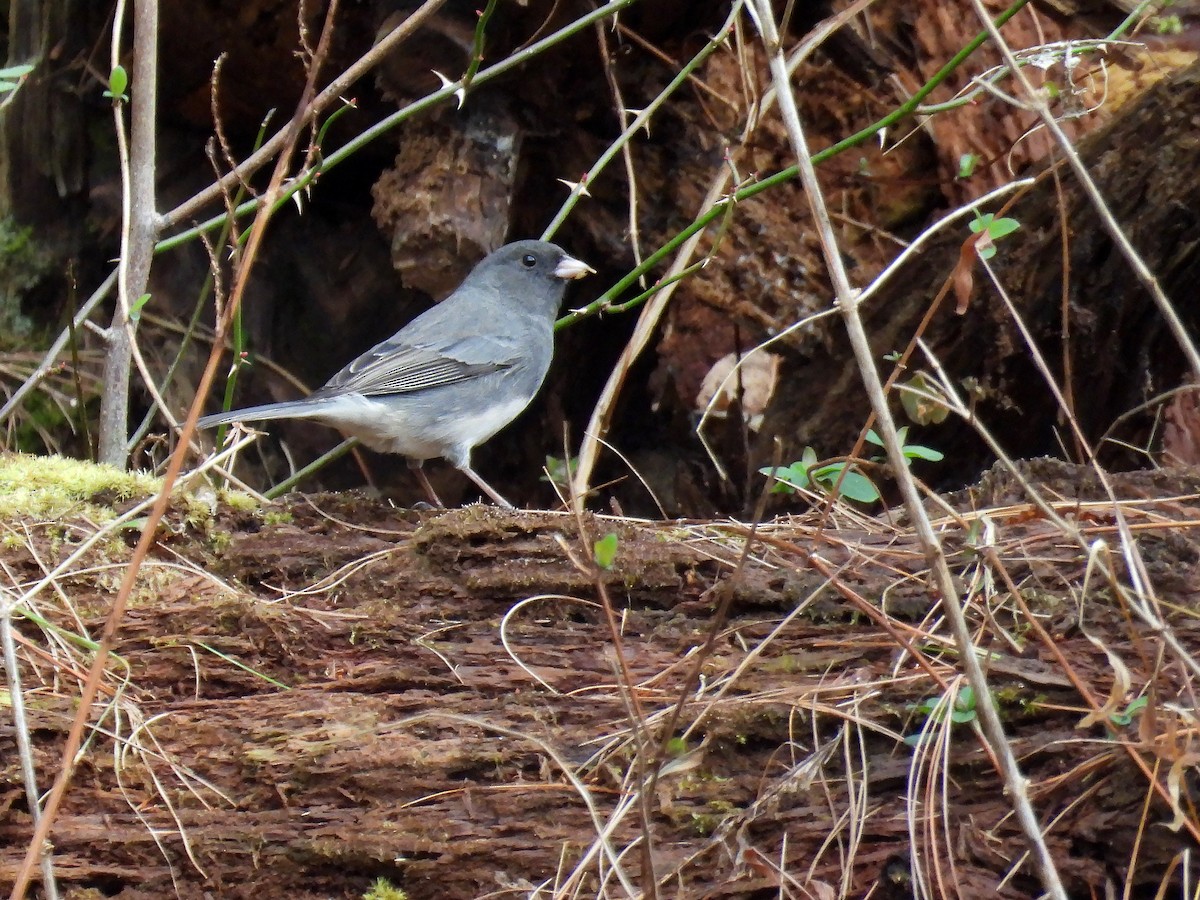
x,y
405,740
1120,352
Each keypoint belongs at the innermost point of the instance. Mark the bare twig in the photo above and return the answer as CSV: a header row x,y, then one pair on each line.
x,y
331,94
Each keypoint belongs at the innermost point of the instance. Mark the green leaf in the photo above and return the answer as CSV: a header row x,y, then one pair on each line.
x,y
1126,717
16,72
804,472
788,479
560,471
1000,228
925,707
995,228
966,165
980,222
605,550
118,80
859,487
855,486
135,311
920,408
916,451
964,705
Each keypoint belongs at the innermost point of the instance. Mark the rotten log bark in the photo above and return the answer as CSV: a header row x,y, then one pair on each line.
x,y
1119,350
404,738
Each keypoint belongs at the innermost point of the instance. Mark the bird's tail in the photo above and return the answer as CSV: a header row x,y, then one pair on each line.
x,y
291,409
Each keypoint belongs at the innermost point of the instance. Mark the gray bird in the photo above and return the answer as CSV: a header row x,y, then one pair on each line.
x,y
453,376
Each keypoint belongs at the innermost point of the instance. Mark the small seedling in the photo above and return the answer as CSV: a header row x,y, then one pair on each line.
x,y
805,473
962,711
560,471
1125,717
910,451
992,230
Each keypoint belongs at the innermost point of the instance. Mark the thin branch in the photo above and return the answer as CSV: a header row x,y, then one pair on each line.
x,y
332,93
139,229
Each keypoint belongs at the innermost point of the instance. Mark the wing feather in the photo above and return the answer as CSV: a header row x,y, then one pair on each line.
x,y
394,368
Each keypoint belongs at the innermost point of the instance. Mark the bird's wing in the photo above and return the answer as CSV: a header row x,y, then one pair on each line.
x,y
399,367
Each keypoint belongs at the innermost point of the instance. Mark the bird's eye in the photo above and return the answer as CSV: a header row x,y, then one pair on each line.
x,y
529,260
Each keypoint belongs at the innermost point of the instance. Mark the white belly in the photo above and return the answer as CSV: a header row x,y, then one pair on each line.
x,y
420,428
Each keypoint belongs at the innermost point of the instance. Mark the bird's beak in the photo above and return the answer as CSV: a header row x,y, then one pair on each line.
x,y
570,267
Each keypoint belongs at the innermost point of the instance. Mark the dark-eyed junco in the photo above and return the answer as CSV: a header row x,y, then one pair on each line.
x,y
453,376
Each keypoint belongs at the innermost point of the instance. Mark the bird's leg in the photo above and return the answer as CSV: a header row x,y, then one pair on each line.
x,y
485,487
417,469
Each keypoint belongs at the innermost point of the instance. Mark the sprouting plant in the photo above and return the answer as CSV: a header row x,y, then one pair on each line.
x,y
806,473
118,80
991,230
910,451
559,471
934,710
1125,717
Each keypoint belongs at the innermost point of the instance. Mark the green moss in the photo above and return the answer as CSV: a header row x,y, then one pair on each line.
x,y
51,486
383,889
785,665
240,501
219,541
